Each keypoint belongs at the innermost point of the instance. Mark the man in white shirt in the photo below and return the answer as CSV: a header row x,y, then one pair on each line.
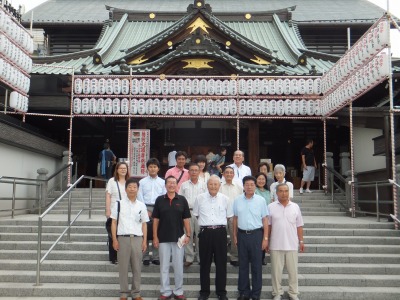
x,y
240,169
190,190
232,190
130,240
212,210
150,188
171,159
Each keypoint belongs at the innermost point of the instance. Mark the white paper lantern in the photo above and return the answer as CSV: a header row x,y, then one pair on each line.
x,y
225,87
265,107
233,88
179,107
116,106
310,107
92,106
164,107
125,86
271,87
195,107
203,87
288,107
225,107
101,86
109,86
171,107
242,87
286,86
165,87
218,87
302,86
279,86
210,107
149,106
257,107
280,107
232,107
195,86
157,86
188,86
211,86
272,107
317,86
135,87
142,87
124,106
14,99
249,87
257,86
242,107
117,86
172,87
187,107
141,107
77,105
85,106
86,86
133,106
180,86
303,107
250,107
309,86
156,106
217,107
100,106
202,107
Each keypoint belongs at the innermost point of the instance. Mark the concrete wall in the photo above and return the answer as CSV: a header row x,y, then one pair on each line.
x,y
17,162
364,150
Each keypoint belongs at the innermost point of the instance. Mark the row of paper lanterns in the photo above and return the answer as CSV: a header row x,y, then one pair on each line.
x,y
19,102
13,76
226,107
15,31
15,54
369,45
364,79
117,86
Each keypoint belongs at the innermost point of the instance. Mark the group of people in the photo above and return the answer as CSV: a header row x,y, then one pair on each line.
x,y
188,216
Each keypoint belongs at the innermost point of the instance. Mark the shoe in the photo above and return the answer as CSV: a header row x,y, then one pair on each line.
x,y
137,298
180,297
202,298
277,297
255,298
301,190
243,298
146,262
235,263
308,191
188,263
264,263
297,298
123,298
156,262
162,297
222,297
114,262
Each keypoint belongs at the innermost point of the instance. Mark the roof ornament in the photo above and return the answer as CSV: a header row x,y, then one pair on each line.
x,y
123,65
110,16
197,5
84,69
313,70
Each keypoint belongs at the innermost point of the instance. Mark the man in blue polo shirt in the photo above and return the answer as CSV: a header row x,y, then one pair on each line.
x,y
250,233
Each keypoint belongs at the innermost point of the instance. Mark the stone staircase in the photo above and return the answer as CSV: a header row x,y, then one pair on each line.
x,y
345,258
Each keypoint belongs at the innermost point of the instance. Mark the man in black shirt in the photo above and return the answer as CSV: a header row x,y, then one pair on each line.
x,y
171,213
308,165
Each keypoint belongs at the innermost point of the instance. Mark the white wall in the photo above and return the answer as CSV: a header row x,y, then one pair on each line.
x,y
16,162
364,150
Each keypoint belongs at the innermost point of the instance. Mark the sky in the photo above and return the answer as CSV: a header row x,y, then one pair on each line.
x,y
394,8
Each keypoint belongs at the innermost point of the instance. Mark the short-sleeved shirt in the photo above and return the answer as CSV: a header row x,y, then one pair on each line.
x,y
240,173
250,212
112,189
108,155
284,221
171,213
211,210
131,216
308,155
176,172
232,191
274,196
190,191
265,194
150,188
172,159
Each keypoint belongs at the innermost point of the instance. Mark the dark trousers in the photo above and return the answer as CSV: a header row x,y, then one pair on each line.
x,y
249,247
213,245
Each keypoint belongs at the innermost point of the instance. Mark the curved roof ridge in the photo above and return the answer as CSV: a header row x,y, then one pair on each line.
x,y
286,38
66,56
110,39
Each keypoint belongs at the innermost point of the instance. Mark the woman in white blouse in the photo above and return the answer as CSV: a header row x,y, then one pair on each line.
x,y
115,190
201,161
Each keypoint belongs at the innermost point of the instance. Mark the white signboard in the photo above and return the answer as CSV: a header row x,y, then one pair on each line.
x,y
139,152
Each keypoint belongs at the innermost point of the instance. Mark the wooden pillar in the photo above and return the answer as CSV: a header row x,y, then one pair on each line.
x,y
253,155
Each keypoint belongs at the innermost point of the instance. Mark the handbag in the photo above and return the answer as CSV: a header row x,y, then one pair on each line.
x,y
109,220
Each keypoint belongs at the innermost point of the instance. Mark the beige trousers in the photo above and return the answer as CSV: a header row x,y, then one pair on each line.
x,y
278,260
189,249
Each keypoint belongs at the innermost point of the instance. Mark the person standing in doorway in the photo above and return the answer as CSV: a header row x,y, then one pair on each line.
x,y
107,159
129,232
171,215
308,165
217,162
285,239
150,188
171,159
240,169
179,172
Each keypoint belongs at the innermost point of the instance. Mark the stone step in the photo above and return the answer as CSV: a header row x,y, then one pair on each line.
x,y
152,291
324,213
193,278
